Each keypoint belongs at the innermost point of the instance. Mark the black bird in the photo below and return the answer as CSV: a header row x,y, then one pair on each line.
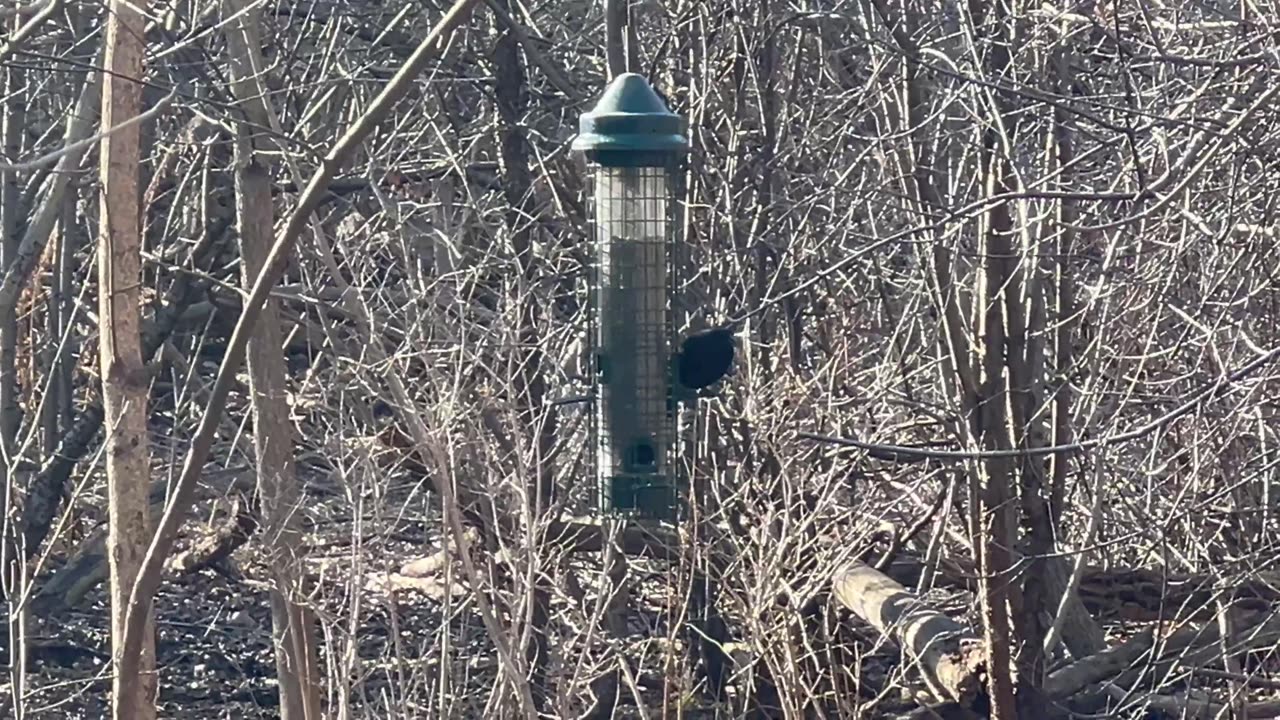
x,y
705,357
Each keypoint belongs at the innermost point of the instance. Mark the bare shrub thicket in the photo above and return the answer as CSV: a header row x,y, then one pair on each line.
x,y
952,228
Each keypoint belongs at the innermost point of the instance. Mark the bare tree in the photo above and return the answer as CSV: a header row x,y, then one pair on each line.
x,y
293,623
14,578
125,380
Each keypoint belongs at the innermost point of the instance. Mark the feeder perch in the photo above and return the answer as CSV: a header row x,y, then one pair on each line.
x,y
634,146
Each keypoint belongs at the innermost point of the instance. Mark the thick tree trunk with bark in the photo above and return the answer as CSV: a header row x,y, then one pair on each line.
x,y
124,378
11,130
293,624
14,578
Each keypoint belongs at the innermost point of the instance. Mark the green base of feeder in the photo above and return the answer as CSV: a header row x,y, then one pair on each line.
x,y
644,496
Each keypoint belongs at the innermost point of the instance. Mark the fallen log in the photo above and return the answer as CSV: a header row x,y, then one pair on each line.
x,y
948,654
1198,646
87,566
1135,594
217,545
1071,679
1083,635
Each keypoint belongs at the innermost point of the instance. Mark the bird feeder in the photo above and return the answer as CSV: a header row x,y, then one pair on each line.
x,y
634,146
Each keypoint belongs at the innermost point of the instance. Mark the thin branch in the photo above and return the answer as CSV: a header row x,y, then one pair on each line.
x,y
80,146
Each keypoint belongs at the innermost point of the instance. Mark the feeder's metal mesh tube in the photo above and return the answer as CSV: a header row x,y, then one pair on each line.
x,y
635,434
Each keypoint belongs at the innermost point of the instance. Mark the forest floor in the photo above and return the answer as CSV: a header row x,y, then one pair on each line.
x,y
213,629
214,651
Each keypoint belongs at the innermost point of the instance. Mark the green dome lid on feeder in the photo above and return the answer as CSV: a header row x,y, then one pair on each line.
x,y
630,126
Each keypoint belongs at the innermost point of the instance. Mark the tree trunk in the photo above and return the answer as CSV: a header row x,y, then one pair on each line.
x,y
1002,339
15,119
530,390
15,576
293,624
124,378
